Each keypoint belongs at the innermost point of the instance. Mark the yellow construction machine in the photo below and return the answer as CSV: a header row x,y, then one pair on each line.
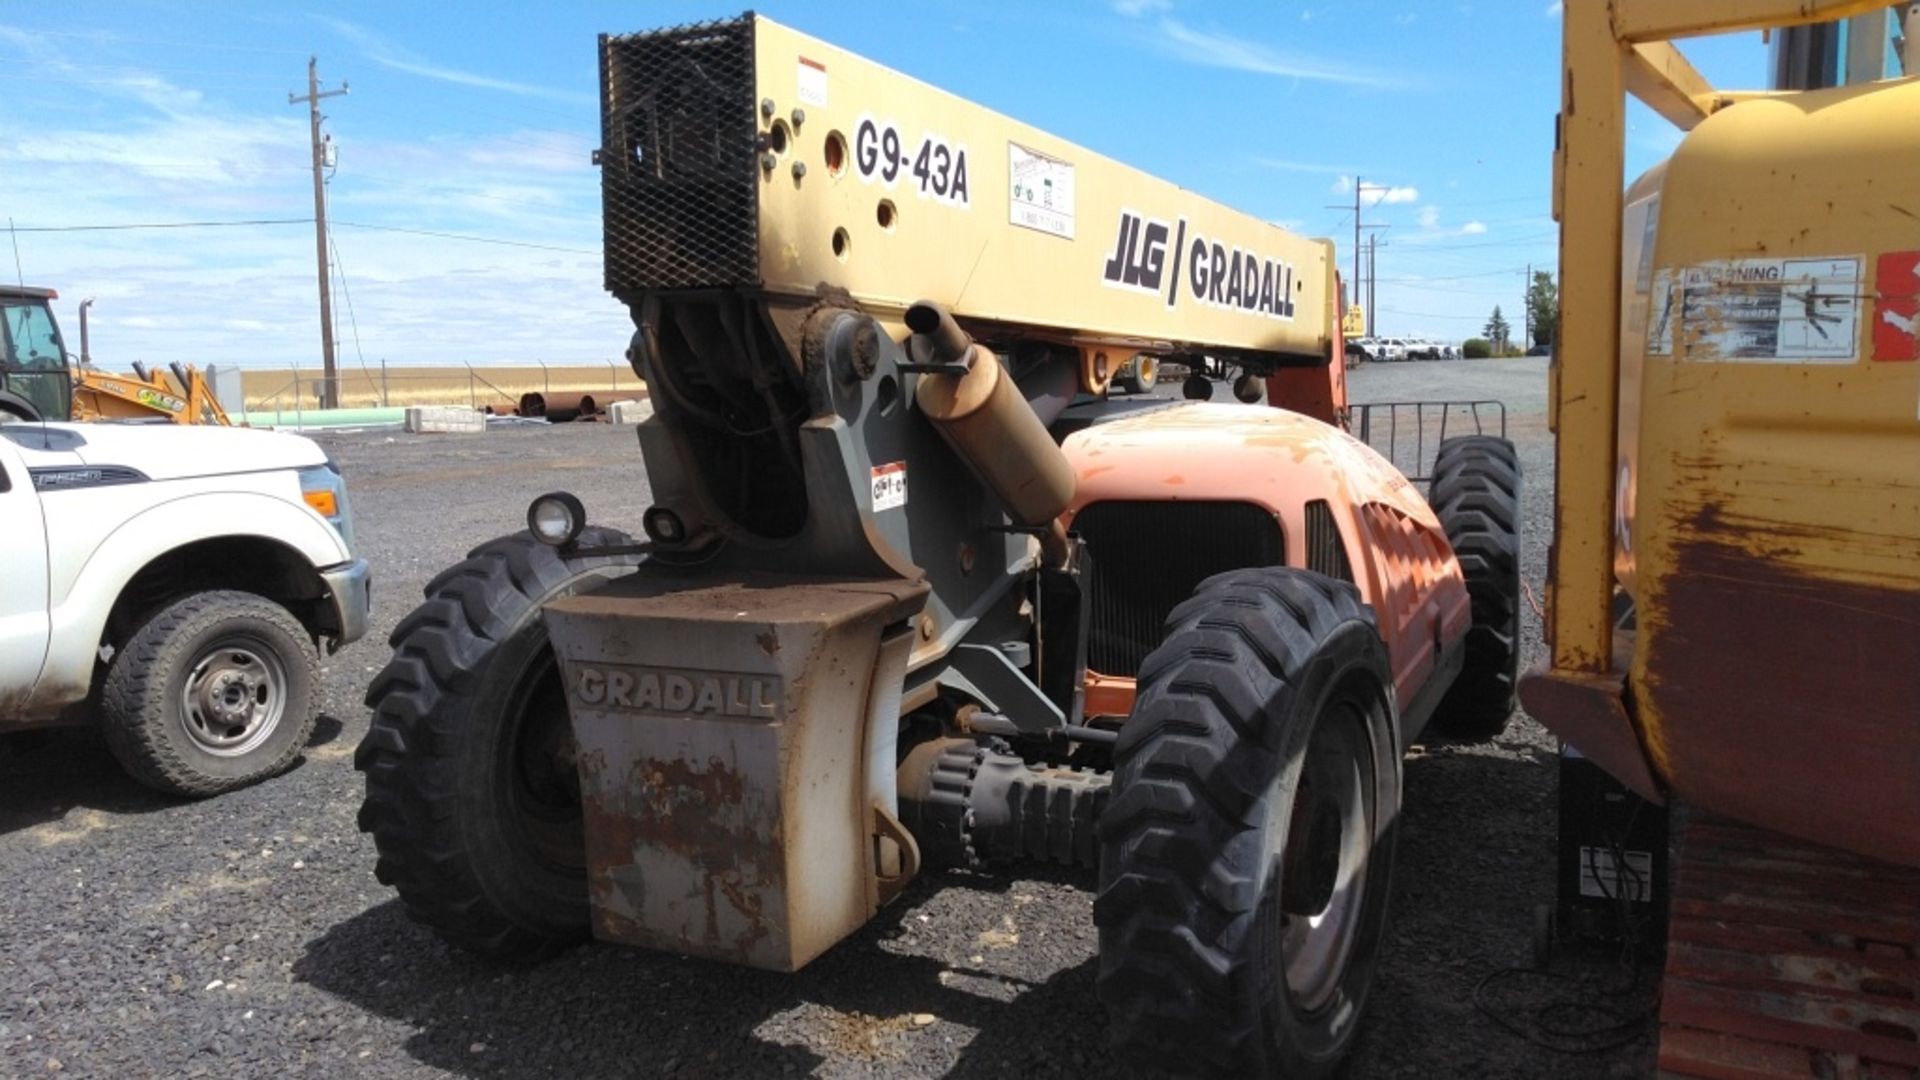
x,y
39,379
146,395
919,592
1733,609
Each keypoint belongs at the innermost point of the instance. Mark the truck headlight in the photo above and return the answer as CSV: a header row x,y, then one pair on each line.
x,y
323,488
556,518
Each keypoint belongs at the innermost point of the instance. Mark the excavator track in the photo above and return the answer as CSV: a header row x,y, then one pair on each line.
x,y
1789,960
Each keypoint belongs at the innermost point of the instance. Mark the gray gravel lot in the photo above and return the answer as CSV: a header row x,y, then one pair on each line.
x,y
141,936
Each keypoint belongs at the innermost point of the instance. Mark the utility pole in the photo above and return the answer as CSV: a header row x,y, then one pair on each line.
x,y
1371,248
1526,304
330,384
1373,276
1358,187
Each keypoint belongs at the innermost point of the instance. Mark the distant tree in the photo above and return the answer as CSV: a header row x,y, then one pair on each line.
x,y
1476,348
1498,332
1543,307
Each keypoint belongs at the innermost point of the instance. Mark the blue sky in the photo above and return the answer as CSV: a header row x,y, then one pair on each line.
x,y
482,124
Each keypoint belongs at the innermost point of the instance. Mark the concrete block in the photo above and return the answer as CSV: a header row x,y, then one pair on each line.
x,y
630,412
444,419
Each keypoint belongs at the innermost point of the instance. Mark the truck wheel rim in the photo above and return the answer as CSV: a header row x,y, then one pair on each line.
x,y
542,785
1324,861
233,698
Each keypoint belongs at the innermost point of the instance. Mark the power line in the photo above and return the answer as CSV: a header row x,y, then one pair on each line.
x,y
1425,314
466,237
124,39
1520,242
1455,277
163,225
469,239
346,294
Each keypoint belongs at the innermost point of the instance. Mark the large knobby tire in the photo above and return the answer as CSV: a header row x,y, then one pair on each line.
x,y
213,692
472,798
1476,494
1246,852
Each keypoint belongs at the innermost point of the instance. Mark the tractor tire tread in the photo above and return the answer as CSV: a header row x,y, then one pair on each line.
x,y
419,700
1476,495
1175,907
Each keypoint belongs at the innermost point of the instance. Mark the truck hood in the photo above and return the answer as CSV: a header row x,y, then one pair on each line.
x,y
164,451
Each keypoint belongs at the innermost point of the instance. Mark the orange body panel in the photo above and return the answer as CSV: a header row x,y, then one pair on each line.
x,y
1282,461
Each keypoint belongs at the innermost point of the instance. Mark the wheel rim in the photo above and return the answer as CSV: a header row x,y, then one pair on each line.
x,y
542,788
233,698
1324,863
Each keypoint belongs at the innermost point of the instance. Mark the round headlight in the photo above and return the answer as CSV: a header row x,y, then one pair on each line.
x,y
556,518
663,526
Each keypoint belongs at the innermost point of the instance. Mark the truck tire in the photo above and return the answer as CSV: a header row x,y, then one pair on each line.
x,y
1139,374
213,692
1247,848
472,800
1476,494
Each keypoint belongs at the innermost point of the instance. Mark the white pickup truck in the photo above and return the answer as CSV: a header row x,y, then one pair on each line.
x,y
172,584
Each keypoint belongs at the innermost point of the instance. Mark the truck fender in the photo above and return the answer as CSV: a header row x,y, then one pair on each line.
x,y
80,617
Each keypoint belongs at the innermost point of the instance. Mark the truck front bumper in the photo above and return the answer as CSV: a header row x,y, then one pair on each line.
x,y
351,587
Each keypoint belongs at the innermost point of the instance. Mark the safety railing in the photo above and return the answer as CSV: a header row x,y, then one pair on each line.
x,y
1409,433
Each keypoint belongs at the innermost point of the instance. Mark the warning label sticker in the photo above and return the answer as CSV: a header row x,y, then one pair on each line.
x,y
813,82
889,486
1604,875
1042,191
1896,307
1788,311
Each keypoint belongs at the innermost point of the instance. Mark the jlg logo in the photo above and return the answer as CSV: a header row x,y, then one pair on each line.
x,y
1216,275
1139,254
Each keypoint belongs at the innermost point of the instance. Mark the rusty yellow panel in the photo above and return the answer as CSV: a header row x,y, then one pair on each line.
x,y
898,191
1586,379
1776,489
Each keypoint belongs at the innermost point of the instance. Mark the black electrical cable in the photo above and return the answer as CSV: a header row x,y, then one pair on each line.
x,y
1557,1025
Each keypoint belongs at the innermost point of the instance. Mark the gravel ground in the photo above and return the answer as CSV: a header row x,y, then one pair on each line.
x,y
141,936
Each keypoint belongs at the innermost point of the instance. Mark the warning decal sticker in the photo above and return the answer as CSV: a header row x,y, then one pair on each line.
x,y
889,486
1042,191
813,81
1896,308
1789,311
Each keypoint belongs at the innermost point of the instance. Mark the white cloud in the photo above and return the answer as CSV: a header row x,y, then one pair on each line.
x,y
1553,10
387,54
158,151
1135,8
1342,185
1429,217
1219,50
1379,194
1473,228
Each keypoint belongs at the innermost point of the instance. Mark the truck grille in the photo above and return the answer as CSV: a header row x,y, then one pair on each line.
x,y
1149,556
1325,553
678,141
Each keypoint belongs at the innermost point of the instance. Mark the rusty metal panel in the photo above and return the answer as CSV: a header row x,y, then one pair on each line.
x,y
1775,528
723,733
1789,960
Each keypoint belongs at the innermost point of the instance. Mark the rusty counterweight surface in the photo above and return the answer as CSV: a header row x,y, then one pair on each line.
x,y
1789,960
725,733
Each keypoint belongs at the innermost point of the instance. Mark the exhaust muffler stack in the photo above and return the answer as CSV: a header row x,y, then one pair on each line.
x,y
976,407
